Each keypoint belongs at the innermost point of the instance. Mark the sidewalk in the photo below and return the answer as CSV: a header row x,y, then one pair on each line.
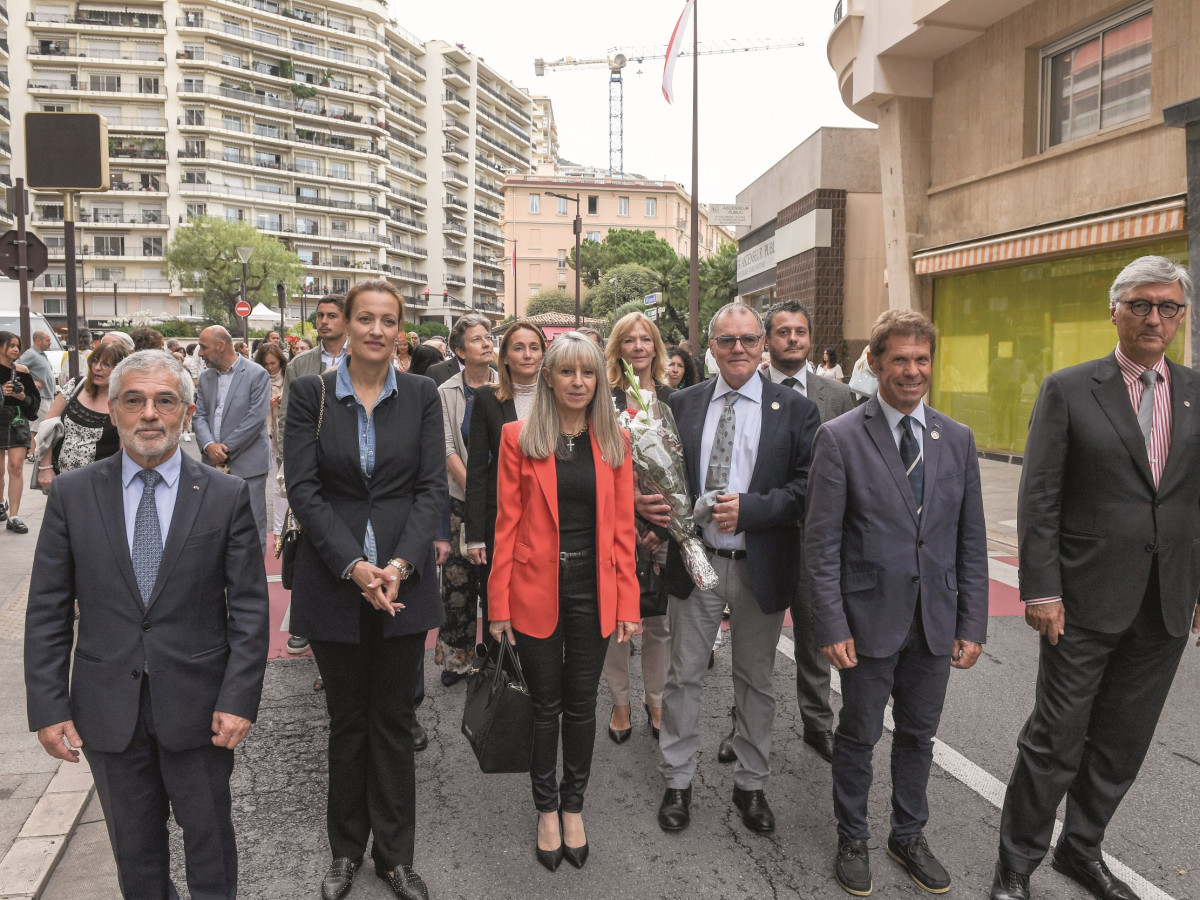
x,y
42,808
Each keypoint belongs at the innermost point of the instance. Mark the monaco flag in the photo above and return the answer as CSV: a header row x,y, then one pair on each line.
x,y
673,49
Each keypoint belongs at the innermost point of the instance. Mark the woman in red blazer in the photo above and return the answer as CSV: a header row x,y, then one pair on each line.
x,y
564,572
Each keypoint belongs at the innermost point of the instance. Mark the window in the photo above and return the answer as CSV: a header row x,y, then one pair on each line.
x,y
593,236
147,85
562,206
535,204
265,129
562,259
54,306
593,205
195,178
304,46
307,225
234,155
339,170
112,273
305,165
269,222
231,59
235,215
196,210
193,149
267,160
149,182
340,226
231,123
54,107
152,215
651,207
193,85
193,117
622,206
152,246
307,193
1099,78
341,285
109,245
104,82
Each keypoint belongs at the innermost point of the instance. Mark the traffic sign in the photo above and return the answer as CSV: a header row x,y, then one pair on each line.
x,y
37,257
242,308
652,299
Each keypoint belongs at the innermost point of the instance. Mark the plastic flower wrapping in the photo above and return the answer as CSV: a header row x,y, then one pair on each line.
x,y
659,468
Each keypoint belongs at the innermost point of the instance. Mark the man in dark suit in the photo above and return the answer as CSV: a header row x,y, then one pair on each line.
x,y
896,549
233,401
747,444
1108,520
161,555
789,338
444,371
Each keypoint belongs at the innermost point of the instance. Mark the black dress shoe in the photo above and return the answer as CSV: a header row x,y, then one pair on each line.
x,y
551,859
339,879
756,814
420,737
852,868
576,856
618,737
920,863
1009,885
822,742
405,883
675,813
725,751
1092,874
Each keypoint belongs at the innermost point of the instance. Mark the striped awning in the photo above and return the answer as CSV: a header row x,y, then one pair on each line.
x,y
1140,224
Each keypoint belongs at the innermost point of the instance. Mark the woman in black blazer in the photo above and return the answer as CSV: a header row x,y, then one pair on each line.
x,y
368,492
520,359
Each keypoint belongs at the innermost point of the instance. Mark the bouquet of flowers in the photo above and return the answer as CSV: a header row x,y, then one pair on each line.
x,y
659,468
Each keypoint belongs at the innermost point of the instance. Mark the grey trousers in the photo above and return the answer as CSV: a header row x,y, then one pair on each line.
x,y
755,634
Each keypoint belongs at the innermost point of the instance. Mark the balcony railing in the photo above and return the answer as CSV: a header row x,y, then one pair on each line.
x,y
408,89
101,17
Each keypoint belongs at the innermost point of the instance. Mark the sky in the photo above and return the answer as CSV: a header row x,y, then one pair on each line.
x,y
754,107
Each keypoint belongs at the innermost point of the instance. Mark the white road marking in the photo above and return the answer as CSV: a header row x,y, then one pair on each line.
x,y
983,783
1003,572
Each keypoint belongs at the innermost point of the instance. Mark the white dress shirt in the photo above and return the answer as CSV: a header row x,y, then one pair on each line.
x,y
801,377
165,492
894,417
747,429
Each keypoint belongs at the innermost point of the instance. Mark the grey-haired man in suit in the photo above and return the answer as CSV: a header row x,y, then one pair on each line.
x,y
232,404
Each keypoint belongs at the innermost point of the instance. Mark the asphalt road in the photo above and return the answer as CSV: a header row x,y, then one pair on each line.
x,y
475,833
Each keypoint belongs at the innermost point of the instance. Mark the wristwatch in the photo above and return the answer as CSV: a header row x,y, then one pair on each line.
x,y
404,568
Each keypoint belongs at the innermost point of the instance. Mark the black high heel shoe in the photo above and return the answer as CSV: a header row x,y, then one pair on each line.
x,y
551,859
650,721
618,737
576,856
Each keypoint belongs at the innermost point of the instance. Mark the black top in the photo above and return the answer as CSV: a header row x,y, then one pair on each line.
x,y
488,418
576,495
28,406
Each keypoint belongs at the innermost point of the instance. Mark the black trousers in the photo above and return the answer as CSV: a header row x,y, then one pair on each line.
x,y
563,671
1098,700
369,689
916,681
140,786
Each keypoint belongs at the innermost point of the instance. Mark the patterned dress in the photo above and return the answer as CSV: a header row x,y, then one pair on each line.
x,y
87,437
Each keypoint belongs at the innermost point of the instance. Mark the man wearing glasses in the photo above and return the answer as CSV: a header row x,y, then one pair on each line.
x,y
1108,520
165,679
747,443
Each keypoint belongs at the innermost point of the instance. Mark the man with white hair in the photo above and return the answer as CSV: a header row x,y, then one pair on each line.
x,y
165,678
1108,520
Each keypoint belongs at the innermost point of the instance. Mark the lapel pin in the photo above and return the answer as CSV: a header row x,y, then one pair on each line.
x,y
935,435
1187,403
775,405
195,487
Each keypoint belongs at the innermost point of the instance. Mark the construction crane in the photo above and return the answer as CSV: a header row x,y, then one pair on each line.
x,y
615,62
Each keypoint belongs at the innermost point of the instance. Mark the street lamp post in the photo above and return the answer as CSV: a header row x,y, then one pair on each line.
x,y
578,234
244,254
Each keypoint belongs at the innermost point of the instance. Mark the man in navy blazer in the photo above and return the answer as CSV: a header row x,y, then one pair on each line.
x,y
752,539
232,404
167,671
896,549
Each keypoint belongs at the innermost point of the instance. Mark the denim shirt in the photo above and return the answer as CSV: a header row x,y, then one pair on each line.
x,y
344,390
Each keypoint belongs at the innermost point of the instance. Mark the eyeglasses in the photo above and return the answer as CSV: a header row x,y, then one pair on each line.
x,y
726,341
100,364
1141,308
166,404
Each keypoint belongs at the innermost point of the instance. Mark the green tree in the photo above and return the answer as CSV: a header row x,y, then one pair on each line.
x,y
620,285
620,246
670,281
431,329
718,283
209,246
550,301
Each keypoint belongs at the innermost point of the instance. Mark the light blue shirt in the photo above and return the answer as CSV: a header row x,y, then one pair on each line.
x,y
224,380
344,390
746,432
894,417
165,492
329,361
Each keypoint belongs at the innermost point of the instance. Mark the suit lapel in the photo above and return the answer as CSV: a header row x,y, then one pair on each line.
x,y
604,482
816,393
692,433
1113,397
189,497
1182,398
877,428
766,433
931,452
547,477
110,499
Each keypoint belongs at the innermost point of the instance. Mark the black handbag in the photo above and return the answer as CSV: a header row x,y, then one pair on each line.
x,y
498,712
653,587
288,542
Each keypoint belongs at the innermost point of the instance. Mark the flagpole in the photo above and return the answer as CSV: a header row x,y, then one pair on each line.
x,y
694,267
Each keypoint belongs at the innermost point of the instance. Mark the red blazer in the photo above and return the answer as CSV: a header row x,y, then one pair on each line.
x,y
523,585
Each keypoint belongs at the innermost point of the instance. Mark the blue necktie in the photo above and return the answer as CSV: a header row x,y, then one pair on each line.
x,y
914,462
147,537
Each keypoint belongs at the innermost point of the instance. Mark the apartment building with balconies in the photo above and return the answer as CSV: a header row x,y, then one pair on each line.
x,y
6,151
316,122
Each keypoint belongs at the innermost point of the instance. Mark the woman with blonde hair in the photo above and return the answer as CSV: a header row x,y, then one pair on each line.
x,y
563,576
635,340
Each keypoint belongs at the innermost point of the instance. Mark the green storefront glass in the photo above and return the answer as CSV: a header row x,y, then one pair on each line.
x,y
1000,332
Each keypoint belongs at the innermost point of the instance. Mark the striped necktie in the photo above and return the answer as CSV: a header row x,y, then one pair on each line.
x,y
914,462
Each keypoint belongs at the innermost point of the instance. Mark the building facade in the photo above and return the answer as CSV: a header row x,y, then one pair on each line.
x,y
541,227
816,235
1024,159
325,124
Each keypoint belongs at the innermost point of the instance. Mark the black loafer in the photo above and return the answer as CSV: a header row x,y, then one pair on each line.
x,y
339,879
675,813
420,737
756,813
852,869
1091,874
822,742
1008,884
405,883
725,751
920,863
